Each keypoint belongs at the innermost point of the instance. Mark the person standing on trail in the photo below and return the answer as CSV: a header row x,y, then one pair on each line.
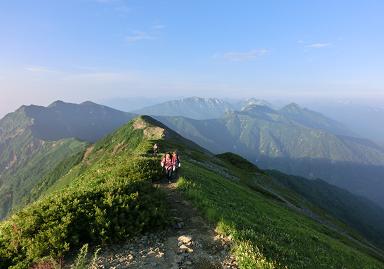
x,y
167,164
176,163
155,149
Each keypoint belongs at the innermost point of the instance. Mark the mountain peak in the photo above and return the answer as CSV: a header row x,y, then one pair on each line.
x,y
88,103
259,108
57,103
203,100
152,129
292,106
254,101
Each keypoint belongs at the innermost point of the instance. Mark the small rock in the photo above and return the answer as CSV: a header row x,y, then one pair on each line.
x,y
160,254
185,249
188,263
185,239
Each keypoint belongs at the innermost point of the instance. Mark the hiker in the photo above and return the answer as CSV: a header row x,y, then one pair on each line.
x,y
176,163
167,164
176,159
155,149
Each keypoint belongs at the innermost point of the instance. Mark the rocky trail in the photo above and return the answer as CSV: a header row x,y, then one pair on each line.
x,y
188,243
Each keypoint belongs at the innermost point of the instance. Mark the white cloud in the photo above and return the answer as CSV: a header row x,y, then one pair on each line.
x,y
235,56
318,45
138,36
39,69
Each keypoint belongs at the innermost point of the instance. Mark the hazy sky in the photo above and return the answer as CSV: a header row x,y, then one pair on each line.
x,y
99,49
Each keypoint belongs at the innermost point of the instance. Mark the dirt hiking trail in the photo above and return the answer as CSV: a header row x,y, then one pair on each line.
x,y
188,243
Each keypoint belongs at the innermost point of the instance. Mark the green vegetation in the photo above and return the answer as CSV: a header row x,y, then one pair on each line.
x,y
239,162
365,216
111,199
62,169
82,262
267,233
319,199
32,160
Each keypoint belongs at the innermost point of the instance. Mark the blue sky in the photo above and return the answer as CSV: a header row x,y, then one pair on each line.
x,y
99,49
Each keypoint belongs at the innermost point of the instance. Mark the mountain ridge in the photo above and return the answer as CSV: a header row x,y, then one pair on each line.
x,y
229,191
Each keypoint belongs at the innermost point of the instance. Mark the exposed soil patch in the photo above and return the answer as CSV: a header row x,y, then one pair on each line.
x,y
150,132
139,124
119,147
87,152
154,133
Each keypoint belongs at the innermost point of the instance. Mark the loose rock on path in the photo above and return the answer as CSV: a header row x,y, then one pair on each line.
x,y
188,243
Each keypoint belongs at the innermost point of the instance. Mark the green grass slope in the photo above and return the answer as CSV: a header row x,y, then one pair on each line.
x,y
109,196
358,212
267,232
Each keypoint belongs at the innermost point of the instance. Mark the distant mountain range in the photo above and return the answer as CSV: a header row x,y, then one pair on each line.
x,y
359,119
193,107
213,108
291,132
134,103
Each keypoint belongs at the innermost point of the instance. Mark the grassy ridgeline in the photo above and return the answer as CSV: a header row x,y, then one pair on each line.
x,y
111,200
